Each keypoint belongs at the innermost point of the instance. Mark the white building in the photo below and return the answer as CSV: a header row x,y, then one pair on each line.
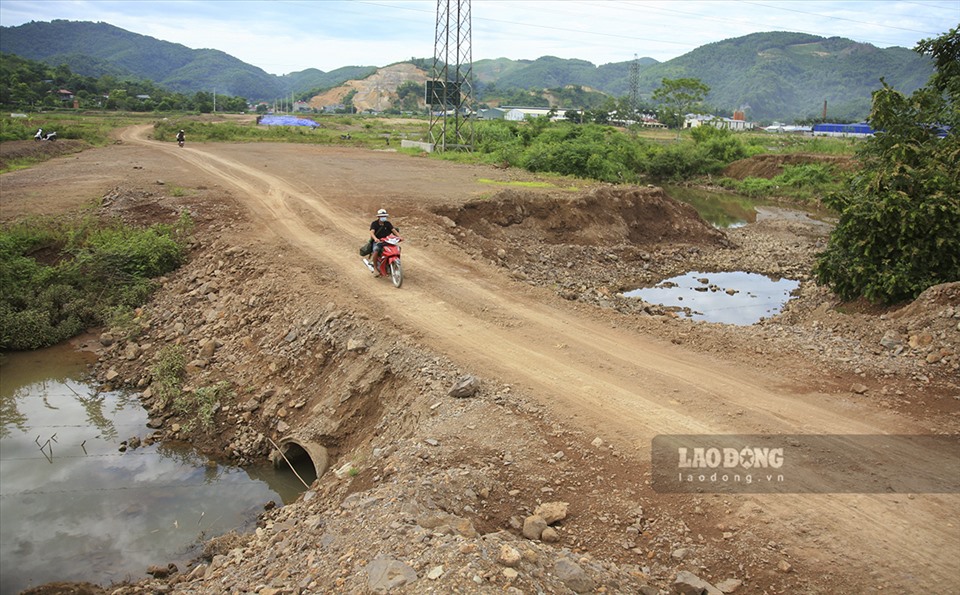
x,y
695,120
519,114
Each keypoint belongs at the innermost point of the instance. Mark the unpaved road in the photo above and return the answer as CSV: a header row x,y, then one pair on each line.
x,y
313,204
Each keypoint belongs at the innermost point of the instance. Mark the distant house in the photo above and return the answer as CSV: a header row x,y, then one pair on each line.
x,y
649,121
143,97
64,95
696,120
645,120
855,130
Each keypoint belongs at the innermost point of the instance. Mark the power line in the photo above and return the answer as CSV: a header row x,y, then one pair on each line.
x,y
826,16
954,8
701,16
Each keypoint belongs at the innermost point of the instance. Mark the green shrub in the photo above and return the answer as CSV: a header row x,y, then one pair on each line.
x,y
587,151
756,187
899,226
674,162
86,273
138,253
806,175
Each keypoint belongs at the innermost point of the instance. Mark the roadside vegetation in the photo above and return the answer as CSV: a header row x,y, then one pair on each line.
x,y
899,227
58,277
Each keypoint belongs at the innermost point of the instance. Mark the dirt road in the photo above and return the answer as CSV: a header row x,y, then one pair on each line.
x,y
313,204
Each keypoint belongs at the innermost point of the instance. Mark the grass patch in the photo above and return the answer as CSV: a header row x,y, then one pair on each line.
x,y
167,374
93,127
790,143
807,182
518,184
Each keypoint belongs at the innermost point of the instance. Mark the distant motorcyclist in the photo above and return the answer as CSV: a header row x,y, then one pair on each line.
x,y
39,134
380,228
180,138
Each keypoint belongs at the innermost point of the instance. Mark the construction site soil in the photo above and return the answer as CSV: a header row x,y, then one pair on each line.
x,y
536,477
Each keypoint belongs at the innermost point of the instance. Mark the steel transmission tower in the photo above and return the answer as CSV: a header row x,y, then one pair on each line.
x,y
450,92
635,88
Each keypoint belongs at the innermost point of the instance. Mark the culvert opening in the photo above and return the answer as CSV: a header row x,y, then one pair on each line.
x,y
305,462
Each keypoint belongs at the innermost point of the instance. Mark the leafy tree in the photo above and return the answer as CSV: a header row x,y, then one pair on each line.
x,y
680,95
409,95
899,227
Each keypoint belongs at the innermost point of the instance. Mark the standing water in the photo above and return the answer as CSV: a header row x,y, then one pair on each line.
x,y
732,298
75,508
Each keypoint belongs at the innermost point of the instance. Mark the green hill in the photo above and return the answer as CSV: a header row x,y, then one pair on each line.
x,y
776,75
781,75
92,49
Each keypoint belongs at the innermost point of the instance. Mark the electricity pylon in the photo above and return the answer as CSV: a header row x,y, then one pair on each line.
x,y
449,93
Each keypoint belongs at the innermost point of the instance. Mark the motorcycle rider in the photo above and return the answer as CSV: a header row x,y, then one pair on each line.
x,y
380,228
38,135
180,138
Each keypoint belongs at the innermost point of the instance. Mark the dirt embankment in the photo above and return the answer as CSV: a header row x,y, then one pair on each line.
x,y
771,166
431,493
38,150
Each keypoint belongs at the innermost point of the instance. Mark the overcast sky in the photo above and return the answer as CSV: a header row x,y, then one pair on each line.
x,y
283,36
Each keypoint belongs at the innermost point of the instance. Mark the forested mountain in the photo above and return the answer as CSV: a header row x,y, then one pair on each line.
x,y
775,75
92,49
784,74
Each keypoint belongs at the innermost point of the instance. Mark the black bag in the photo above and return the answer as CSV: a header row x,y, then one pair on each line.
x,y
367,248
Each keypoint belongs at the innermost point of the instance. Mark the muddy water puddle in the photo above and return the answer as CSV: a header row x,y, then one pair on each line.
x,y
75,508
738,298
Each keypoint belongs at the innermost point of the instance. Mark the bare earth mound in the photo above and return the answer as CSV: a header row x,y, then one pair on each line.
x,y
605,216
32,149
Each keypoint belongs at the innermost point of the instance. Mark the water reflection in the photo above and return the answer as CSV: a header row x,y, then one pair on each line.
x,y
727,210
731,298
73,507
721,209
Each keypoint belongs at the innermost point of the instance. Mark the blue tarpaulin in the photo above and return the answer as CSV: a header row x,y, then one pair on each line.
x,y
286,121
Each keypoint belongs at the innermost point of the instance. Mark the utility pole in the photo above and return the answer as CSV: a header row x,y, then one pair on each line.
x,y
449,93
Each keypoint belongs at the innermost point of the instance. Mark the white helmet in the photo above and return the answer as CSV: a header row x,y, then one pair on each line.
x,y
382,213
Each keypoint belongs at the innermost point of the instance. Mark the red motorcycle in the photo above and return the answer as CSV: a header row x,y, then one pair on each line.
x,y
388,263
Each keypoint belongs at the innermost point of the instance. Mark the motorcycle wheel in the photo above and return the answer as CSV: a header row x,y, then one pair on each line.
x,y
396,273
